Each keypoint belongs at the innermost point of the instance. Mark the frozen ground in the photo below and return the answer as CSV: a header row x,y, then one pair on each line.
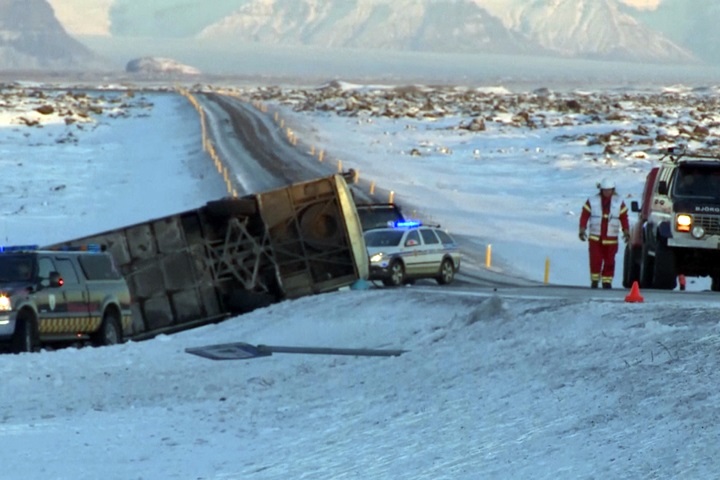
x,y
495,384
90,164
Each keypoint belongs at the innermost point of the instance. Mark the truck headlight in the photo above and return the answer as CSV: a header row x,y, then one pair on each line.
x,y
683,222
5,303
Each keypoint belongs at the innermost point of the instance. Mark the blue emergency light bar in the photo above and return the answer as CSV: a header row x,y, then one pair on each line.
x,y
17,248
407,223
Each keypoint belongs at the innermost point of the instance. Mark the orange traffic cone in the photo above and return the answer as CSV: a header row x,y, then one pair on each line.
x,y
634,295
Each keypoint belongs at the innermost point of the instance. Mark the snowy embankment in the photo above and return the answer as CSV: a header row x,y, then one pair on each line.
x,y
76,162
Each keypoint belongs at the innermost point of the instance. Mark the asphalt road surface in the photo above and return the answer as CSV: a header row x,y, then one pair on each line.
x,y
260,157
257,151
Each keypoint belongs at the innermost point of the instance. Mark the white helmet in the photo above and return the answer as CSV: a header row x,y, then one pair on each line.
x,y
606,184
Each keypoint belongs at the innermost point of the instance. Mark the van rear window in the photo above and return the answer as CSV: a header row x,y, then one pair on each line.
x,y
99,267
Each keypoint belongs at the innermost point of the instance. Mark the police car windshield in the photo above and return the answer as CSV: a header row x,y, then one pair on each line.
x,y
383,238
698,181
16,268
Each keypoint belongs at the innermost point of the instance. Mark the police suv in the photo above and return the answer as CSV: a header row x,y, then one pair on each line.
x,y
61,296
408,251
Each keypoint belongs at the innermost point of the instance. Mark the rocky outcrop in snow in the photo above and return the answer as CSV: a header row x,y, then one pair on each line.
x,y
158,66
679,117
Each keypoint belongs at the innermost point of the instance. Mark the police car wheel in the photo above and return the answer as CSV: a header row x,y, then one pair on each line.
x,y
447,272
397,274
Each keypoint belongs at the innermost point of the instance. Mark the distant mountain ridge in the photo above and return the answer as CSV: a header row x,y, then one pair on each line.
x,y
601,29
690,24
32,37
457,26
596,29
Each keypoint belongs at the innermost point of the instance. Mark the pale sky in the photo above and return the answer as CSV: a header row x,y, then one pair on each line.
x,y
83,17
642,4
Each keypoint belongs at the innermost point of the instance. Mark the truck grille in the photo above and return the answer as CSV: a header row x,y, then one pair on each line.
x,y
711,223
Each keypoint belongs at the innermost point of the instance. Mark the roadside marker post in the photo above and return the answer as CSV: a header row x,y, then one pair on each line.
x,y
546,278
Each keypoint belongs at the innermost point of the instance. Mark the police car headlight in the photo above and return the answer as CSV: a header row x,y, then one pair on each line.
x,y
5,303
376,258
698,232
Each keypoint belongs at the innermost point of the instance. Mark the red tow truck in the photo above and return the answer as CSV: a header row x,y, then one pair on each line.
x,y
677,232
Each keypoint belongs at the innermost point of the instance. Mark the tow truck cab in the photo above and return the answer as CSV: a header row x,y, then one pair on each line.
x,y
678,224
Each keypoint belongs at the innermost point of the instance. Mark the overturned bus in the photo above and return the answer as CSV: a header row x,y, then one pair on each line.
x,y
235,254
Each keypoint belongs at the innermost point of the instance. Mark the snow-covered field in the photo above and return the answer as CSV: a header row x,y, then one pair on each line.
x,y
502,168
495,384
87,163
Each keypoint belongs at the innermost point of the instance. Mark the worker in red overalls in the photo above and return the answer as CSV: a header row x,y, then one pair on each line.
x,y
603,217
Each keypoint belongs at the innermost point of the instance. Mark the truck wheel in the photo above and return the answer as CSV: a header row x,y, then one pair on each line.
x,y
631,266
397,274
646,268
110,332
627,261
25,338
665,275
715,284
321,227
447,272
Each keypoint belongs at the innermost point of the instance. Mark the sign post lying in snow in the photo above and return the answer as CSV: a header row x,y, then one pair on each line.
x,y
242,351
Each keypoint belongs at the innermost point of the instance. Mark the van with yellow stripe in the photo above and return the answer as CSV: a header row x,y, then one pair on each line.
x,y
49,296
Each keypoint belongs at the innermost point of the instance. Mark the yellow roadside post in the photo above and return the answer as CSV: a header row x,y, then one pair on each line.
x,y
546,278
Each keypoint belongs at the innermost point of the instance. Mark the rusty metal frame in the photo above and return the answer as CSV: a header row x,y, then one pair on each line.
x,y
240,256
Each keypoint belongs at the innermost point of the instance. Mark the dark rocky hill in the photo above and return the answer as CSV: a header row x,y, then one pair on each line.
x,y
32,38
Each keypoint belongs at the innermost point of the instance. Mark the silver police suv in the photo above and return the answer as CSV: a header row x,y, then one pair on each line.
x,y
408,251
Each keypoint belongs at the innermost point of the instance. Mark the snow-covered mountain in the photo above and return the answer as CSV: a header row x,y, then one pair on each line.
x,y
586,28
652,31
31,38
690,24
429,25
600,29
